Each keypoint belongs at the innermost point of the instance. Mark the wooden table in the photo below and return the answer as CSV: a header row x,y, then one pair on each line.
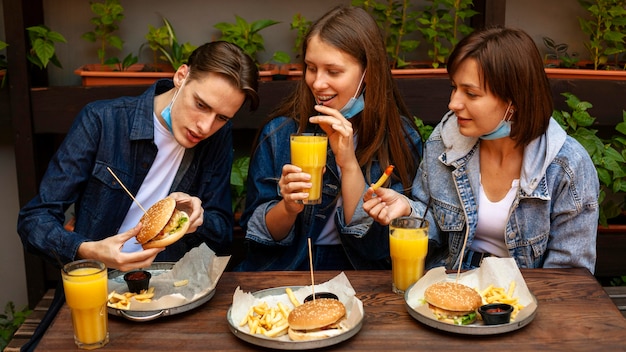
x,y
574,313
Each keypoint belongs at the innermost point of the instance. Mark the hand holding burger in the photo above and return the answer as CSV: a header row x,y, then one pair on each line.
x,y
452,302
163,224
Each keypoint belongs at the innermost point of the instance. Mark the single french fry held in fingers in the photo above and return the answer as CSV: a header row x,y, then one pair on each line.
x,y
383,177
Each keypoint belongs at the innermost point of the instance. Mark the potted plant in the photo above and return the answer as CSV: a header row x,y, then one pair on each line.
x,y
10,321
442,26
164,41
442,23
112,71
246,35
606,28
396,22
293,70
608,155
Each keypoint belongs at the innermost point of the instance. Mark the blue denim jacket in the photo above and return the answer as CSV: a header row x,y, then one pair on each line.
x,y
366,242
119,134
554,217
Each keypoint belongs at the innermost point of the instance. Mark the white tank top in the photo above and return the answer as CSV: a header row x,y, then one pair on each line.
x,y
492,219
158,181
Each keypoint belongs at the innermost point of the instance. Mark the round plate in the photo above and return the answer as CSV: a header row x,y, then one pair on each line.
x,y
424,315
274,343
135,315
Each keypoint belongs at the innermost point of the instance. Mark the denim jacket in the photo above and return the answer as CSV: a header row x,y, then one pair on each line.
x,y
553,219
119,134
366,242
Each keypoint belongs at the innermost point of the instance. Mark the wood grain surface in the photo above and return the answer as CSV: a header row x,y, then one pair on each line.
x,y
574,314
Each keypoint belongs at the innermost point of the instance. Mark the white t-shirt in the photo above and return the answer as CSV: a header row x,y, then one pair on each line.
x,y
492,218
158,181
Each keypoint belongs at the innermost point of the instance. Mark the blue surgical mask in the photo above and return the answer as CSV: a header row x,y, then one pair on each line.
x,y
504,127
166,113
356,104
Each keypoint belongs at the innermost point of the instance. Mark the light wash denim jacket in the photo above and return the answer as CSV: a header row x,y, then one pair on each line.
x,y
366,242
120,134
553,220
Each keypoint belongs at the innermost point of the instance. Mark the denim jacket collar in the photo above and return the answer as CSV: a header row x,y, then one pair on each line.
x,y
538,154
142,127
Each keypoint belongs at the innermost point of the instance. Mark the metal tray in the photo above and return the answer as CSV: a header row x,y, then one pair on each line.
x,y
274,343
424,315
156,269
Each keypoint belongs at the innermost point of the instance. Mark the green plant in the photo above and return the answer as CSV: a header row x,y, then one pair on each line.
x,y
238,177
42,50
247,37
301,25
606,28
3,61
108,14
123,65
559,54
608,155
10,321
443,23
396,22
165,40
424,129
155,39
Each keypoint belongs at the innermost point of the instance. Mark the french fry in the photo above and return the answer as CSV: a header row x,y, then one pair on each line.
x,y
292,297
265,320
122,300
499,295
181,283
383,177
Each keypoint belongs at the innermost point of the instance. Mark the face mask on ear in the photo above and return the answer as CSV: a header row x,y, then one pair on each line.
x,y
166,113
356,104
504,127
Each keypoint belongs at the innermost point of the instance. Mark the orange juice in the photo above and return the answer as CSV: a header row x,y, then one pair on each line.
x,y
308,152
408,248
85,287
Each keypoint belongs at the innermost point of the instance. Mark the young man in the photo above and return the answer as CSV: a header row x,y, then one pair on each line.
x,y
175,139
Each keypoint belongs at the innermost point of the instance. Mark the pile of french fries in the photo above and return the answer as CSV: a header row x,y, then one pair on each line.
x,y
122,300
269,321
499,295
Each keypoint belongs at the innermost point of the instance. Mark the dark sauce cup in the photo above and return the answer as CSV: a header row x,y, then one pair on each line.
x,y
137,280
321,295
496,313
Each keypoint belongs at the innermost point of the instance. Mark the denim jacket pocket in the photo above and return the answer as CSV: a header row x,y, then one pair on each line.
x,y
449,218
532,250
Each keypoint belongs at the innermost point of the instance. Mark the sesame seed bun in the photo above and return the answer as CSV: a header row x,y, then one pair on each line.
x,y
316,319
163,224
453,302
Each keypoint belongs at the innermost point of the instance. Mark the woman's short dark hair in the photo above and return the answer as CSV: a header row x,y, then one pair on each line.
x,y
512,69
230,61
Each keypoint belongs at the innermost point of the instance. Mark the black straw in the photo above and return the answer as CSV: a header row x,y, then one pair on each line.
x,y
425,211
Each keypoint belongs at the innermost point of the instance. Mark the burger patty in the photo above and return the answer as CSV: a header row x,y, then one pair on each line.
x,y
173,224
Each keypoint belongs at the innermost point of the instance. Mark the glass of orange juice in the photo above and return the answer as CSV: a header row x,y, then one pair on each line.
x,y
408,245
308,152
85,286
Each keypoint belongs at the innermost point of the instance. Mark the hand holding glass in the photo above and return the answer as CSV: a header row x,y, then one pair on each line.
x,y
408,245
308,152
85,286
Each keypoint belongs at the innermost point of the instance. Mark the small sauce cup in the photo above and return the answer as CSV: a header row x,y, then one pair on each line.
x,y
137,280
321,295
496,313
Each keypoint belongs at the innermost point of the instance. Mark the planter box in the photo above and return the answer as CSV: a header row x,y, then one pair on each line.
x,y
573,73
137,74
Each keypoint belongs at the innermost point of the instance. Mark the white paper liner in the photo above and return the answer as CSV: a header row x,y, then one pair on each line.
x,y
498,272
200,266
339,285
